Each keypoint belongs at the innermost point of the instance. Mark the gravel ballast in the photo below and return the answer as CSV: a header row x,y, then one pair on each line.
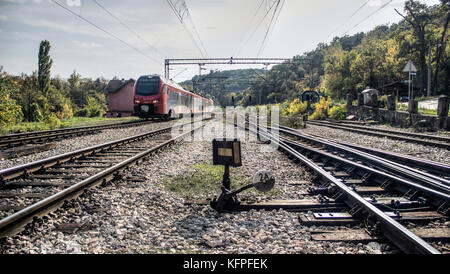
x,y
75,143
138,214
390,145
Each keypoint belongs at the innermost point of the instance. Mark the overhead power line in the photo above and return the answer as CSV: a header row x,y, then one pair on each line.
x,y
107,32
350,17
249,24
181,11
129,29
257,26
370,15
272,24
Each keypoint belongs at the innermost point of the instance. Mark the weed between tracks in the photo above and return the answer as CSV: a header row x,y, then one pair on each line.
x,y
205,180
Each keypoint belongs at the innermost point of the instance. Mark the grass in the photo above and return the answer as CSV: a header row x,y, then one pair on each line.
x,y
401,107
85,121
206,180
65,123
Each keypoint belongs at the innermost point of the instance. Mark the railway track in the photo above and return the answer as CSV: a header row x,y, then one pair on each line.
x,y
36,137
423,139
391,200
36,188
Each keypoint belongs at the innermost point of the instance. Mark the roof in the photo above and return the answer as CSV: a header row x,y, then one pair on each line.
x,y
371,90
116,85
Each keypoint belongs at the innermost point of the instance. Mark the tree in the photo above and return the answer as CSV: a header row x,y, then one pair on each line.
x,y
445,9
44,64
419,16
10,111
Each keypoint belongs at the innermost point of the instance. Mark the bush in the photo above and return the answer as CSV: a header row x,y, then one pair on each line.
x,y
337,112
65,113
321,109
81,113
294,108
52,121
94,108
10,111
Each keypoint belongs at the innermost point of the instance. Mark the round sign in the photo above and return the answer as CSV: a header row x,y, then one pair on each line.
x,y
264,180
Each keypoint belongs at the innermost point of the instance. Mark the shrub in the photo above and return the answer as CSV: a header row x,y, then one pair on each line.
x,y
65,113
94,108
294,108
81,113
321,109
337,112
52,121
10,111
297,107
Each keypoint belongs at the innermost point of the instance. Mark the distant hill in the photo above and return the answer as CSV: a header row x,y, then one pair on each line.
x,y
221,86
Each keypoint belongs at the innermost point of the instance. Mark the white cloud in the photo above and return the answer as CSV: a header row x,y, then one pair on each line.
x,y
87,45
3,17
65,27
374,3
15,1
21,1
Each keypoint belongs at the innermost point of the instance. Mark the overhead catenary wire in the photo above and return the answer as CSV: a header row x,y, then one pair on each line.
x,y
107,32
350,17
129,28
370,15
256,29
249,24
272,24
183,14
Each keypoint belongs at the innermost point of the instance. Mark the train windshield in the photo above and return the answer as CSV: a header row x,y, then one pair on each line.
x,y
147,86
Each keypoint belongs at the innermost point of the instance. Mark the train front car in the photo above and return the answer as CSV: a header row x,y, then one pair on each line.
x,y
149,100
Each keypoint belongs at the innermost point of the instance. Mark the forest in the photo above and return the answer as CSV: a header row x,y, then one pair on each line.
x,y
349,64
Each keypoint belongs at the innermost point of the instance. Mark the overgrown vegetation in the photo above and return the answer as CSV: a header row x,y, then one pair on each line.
x,y
205,180
349,64
48,101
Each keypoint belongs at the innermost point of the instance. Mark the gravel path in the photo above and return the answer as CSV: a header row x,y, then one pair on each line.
x,y
396,146
141,216
72,144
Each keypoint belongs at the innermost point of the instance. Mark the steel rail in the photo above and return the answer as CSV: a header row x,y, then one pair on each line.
x,y
390,165
431,166
407,241
27,137
412,134
388,135
16,221
425,189
17,171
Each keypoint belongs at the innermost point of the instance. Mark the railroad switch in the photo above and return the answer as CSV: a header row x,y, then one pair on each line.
x,y
228,153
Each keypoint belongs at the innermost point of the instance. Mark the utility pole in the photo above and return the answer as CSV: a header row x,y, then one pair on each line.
x,y
429,71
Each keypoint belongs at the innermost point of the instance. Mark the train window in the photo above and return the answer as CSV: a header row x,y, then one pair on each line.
x,y
147,86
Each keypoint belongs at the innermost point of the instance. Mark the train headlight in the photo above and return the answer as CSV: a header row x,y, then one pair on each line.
x,y
155,101
137,101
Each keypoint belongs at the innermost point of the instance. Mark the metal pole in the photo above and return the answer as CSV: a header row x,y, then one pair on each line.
x,y
409,86
429,71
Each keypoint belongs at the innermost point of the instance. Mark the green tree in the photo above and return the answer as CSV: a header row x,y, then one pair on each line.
x,y
10,111
44,67
419,16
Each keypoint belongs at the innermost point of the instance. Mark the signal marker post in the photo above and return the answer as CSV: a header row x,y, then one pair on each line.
x,y
411,70
228,153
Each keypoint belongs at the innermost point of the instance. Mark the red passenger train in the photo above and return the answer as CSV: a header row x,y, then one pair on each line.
x,y
157,97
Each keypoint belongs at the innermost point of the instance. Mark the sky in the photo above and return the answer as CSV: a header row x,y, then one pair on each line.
x,y
149,32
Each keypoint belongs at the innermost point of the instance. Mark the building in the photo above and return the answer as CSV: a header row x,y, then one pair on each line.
x,y
398,89
120,94
368,95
